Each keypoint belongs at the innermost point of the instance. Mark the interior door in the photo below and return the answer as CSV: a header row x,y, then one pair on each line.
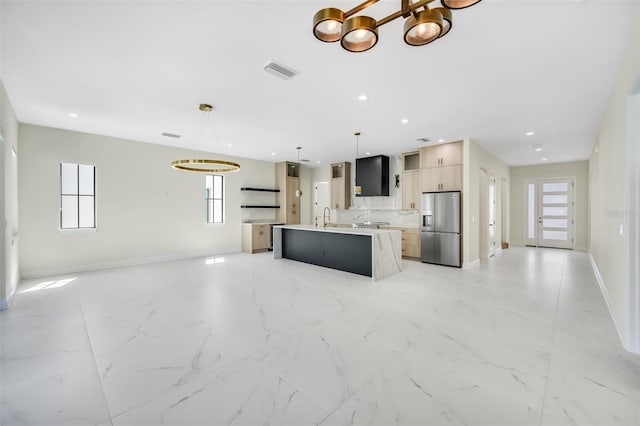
x,y
549,212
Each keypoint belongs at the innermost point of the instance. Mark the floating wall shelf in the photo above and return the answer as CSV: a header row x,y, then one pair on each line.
x,y
259,207
259,189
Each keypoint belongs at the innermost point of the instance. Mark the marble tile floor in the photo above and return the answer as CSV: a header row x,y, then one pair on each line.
x,y
524,339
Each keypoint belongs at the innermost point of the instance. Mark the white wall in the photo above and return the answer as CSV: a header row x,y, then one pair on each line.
x,y
609,204
477,159
145,209
9,243
576,169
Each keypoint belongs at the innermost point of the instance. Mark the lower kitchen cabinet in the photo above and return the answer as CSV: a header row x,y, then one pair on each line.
x,y
255,237
411,243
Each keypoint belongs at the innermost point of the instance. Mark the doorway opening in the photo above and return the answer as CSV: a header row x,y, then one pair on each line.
x,y
320,200
549,210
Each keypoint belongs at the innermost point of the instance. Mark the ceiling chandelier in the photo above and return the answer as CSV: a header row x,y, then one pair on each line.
x,y
360,33
201,165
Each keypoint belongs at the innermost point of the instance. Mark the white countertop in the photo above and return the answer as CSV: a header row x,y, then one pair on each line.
x,y
339,230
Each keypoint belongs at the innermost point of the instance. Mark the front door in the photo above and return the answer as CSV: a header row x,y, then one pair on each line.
x,y
549,212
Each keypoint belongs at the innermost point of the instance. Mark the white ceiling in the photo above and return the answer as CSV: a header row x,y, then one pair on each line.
x,y
135,69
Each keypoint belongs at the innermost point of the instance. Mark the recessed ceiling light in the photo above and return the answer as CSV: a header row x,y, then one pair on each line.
x,y
544,159
363,97
367,153
440,140
229,145
538,149
530,133
273,153
404,120
318,161
73,115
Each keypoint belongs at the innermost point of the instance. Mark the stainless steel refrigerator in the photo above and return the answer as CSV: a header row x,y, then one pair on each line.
x,y
440,228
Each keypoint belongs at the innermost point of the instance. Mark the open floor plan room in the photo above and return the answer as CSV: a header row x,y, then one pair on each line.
x,y
239,339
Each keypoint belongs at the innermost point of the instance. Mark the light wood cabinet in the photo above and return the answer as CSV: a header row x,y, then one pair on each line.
x,y
288,182
442,167
411,185
442,179
411,243
448,154
340,185
255,237
411,189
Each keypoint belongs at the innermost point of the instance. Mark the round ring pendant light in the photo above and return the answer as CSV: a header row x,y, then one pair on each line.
x,y
201,165
205,166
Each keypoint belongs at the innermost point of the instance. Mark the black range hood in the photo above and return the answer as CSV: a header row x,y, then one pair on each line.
x,y
372,175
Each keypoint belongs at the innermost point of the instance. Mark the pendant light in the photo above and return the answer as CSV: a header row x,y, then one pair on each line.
x,y
298,191
357,189
203,165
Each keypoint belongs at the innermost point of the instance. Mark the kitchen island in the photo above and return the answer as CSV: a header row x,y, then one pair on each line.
x,y
375,253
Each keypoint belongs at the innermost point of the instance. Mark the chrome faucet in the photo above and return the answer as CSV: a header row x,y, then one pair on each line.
x,y
326,214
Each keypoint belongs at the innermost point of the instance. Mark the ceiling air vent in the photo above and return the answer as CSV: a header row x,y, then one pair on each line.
x,y
171,135
423,140
282,71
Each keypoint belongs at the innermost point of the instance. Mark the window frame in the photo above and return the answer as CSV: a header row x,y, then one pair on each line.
x,y
211,198
78,196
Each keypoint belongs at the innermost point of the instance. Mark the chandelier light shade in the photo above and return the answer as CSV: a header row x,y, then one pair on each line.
x,y
423,28
201,165
327,24
447,20
358,33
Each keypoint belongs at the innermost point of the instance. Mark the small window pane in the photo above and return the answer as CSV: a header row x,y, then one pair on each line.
x,y
69,205
555,187
69,177
210,210
555,199
217,211
87,216
209,184
217,187
555,211
85,174
555,223
555,235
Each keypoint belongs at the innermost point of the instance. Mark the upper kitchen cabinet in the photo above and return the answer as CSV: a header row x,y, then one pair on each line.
x,y
340,182
288,182
448,154
442,167
411,180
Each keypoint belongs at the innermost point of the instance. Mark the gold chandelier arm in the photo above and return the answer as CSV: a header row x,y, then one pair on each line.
x,y
359,8
399,13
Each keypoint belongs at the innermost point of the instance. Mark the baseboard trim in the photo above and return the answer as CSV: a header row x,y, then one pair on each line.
x,y
49,272
5,303
605,294
470,265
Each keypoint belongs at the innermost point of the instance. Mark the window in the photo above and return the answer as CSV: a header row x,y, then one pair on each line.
x,y
215,198
77,196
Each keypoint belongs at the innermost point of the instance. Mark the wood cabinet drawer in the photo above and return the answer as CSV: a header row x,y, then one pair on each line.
x,y
411,251
410,239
